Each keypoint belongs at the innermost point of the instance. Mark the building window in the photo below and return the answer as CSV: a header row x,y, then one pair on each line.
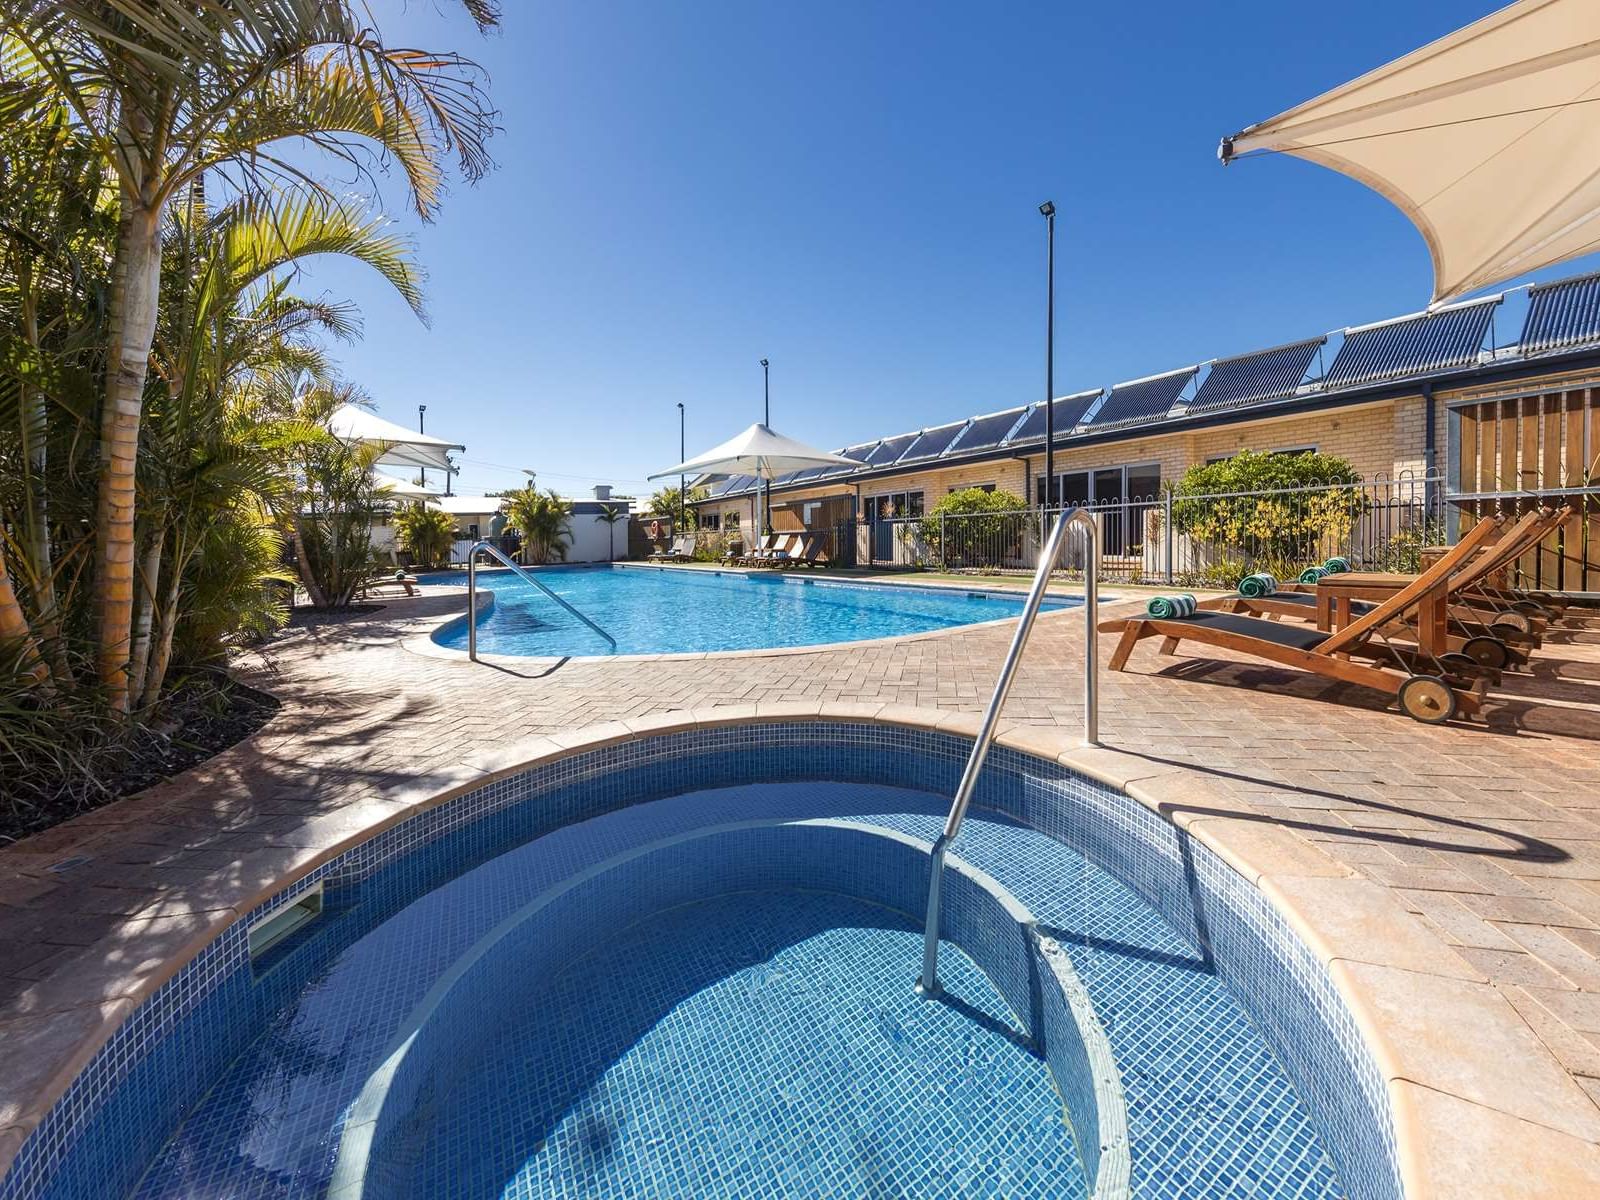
x,y
730,520
894,506
968,487
711,521
1294,450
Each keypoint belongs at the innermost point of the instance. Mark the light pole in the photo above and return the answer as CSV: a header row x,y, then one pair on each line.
x,y
421,428
1048,210
683,455
765,526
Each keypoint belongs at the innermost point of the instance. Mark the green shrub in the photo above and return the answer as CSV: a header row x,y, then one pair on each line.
x,y
975,528
1276,512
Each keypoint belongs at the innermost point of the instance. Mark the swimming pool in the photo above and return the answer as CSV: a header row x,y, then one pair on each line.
x,y
681,965
680,611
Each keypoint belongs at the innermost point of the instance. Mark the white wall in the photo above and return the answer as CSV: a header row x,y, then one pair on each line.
x,y
588,539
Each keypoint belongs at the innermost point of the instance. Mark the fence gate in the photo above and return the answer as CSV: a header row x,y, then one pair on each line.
x,y
1508,453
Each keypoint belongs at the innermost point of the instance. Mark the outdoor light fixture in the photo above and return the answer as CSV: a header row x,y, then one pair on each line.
x,y
1047,209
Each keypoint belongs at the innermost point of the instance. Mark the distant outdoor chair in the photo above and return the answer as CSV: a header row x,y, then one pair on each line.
x,y
399,579
778,554
681,550
812,551
1425,697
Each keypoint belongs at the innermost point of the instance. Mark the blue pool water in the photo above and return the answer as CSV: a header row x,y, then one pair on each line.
x,y
651,611
765,1044
760,1039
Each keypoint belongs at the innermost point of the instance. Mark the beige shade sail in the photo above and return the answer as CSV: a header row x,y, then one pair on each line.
x,y
1488,139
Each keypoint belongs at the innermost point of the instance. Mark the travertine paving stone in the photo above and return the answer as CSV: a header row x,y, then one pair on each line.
x,y
1490,833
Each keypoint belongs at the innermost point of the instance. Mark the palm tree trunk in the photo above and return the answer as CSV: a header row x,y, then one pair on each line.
x,y
161,657
14,627
36,537
135,293
303,565
149,580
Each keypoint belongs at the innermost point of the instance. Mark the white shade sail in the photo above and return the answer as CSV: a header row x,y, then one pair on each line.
x,y
398,488
402,447
757,451
1488,140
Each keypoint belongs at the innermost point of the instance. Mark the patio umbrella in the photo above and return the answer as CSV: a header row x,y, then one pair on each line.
x,y
760,452
402,447
1487,139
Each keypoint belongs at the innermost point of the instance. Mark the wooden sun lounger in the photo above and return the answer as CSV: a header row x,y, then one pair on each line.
x,y
779,556
1487,639
1425,697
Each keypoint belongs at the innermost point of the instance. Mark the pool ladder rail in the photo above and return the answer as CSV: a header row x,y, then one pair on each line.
x,y
928,984
472,596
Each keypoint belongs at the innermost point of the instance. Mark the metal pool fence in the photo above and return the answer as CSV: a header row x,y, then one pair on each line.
x,y
1211,539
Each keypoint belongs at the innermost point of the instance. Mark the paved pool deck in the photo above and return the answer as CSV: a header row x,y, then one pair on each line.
x,y
1488,833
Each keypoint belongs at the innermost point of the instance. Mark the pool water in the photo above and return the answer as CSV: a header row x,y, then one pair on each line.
x,y
761,1039
754,1045
670,611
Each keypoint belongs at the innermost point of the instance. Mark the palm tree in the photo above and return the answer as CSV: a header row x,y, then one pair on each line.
x,y
168,93
425,533
609,515
544,521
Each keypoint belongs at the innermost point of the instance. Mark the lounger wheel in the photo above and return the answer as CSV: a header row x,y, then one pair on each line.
x,y
1530,608
1428,699
1487,652
1464,666
1519,621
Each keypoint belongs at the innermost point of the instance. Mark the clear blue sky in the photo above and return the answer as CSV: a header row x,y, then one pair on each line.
x,y
851,191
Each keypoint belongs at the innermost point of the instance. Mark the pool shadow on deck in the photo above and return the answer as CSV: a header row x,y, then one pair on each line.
x,y
1525,848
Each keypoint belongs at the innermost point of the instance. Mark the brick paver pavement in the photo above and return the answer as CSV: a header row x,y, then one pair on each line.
x,y
1491,833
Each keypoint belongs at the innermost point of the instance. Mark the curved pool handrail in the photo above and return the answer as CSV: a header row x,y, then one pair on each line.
x,y
928,984
472,596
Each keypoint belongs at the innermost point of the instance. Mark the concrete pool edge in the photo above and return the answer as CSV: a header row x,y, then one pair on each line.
x,y
1465,1119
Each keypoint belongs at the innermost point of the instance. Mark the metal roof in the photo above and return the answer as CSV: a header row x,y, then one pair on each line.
x,y
1143,399
1562,314
1069,411
1252,378
1446,337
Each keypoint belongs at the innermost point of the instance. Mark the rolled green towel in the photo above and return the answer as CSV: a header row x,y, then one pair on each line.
x,y
1253,587
1336,566
1168,607
1312,574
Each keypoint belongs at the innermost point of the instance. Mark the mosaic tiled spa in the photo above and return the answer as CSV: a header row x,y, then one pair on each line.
x,y
684,964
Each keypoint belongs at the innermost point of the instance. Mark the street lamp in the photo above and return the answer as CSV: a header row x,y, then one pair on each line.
x,y
1048,211
683,454
421,428
766,419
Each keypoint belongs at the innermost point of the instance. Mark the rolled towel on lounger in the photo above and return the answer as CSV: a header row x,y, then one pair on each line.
x,y
1336,566
1312,574
1253,587
1167,607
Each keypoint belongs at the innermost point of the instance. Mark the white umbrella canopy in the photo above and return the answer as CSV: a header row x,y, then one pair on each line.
x,y
1487,139
760,452
403,489
403,447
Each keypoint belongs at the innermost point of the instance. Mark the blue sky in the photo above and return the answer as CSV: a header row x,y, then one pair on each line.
x,y
851,191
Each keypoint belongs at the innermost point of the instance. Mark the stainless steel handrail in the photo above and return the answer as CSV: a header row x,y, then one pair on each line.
x,y
472,596
928,984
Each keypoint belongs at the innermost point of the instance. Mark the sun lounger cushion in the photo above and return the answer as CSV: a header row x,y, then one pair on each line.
x,y
1253,587
1282,633
1172,606
1312,574
1336,566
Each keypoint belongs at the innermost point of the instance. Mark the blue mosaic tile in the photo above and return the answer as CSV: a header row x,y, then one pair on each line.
x,y
274,1139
